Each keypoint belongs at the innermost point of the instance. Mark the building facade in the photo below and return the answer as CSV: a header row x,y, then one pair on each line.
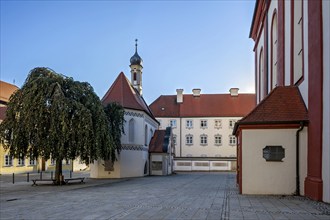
x,y
291,141
202,127
139,127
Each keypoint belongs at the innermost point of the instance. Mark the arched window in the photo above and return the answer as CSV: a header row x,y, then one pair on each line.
x,y
262,80
146,135
298,44
274,38
131,125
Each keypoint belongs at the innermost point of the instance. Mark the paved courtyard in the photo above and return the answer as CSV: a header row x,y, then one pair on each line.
x,y
180,196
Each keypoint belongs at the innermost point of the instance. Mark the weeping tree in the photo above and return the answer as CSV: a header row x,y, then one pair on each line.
x,y
53,116
115,115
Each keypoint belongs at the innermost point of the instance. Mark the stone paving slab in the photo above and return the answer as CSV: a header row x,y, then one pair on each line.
x,y
181,196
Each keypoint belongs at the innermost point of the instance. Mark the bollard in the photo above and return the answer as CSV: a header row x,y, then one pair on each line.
x,y
28,177
13,178
70,174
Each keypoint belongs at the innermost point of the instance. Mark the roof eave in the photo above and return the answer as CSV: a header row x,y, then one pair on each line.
x,y
237,124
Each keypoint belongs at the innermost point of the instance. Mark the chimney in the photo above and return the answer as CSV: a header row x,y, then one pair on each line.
x,y
196,92
179,95
233,91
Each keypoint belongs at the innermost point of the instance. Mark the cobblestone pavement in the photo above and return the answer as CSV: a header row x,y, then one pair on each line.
x,y
180,196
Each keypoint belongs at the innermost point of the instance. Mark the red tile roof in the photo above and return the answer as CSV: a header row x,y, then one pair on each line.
x,y
122,92
157,141
282,105
6,90
206,105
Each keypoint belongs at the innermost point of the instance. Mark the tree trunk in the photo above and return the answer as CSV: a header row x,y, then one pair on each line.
x,y
58,172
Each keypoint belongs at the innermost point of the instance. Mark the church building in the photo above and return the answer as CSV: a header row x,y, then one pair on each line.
x,y
284,142
139,127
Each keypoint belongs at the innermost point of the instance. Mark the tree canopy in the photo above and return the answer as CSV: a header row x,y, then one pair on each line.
x,y
53,116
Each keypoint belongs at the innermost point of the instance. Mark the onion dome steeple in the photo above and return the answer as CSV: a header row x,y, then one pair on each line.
x,y
136,70
136,59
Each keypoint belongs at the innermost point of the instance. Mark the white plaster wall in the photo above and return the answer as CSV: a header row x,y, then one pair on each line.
x,y
132,163
261,177
97,170
326,102
287,43
196,150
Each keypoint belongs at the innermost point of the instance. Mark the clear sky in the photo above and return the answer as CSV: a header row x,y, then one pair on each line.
x,y
183,44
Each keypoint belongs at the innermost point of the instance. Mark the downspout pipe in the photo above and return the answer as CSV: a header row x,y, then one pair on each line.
x,y
297,193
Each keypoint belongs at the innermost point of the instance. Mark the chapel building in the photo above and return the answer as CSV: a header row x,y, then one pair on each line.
x,y
140,126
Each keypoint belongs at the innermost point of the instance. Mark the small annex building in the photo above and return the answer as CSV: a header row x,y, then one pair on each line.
x,y
139,127
272,141
161,150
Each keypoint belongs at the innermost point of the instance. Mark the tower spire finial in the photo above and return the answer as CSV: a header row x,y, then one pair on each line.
x,y
136,40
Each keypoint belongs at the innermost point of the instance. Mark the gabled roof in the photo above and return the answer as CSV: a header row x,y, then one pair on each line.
x,y
159,143
6,90
206,105
156,142
122,92
283,105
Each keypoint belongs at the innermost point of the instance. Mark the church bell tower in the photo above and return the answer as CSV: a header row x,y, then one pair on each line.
x,y
136,70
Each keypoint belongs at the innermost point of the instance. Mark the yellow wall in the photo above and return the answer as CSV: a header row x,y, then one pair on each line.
x,y
15,168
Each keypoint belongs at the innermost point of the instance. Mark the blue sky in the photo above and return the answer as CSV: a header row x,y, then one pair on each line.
x,y
183,44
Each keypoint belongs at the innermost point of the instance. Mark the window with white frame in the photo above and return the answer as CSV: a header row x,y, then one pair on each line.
x,y
232,140
217,140
203,141
203,123
32,160
189,124
8,160
232,123
217,123
21,160
173,123
189,139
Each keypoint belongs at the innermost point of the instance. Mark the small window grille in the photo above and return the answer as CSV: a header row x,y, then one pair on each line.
x,y
273,153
